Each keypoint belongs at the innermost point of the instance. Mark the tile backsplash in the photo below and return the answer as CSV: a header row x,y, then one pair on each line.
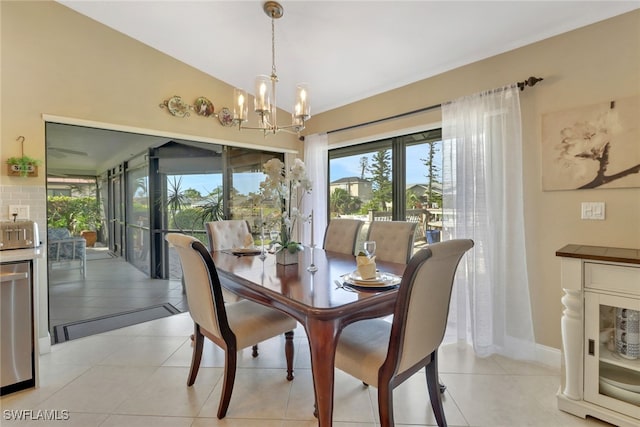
x,y
33,196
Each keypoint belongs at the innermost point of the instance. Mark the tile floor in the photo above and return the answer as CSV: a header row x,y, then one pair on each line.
x,y
136,376
112,286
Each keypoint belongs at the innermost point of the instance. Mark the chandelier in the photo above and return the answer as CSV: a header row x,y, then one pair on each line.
x,y
265,92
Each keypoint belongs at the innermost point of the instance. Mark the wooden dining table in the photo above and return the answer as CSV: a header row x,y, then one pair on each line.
x,y
313,299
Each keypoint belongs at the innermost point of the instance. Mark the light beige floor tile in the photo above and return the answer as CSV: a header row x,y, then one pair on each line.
x,y
461,359
166,393
270,355
257,393
51,381
101,389
56,419
146,421
115,379
144,351
83,351
411,404
301,401
351,401
518,367
508,400
238,422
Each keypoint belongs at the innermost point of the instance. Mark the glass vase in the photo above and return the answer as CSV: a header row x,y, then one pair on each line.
x,y
284,257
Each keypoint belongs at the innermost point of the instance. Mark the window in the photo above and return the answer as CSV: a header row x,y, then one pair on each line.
x,y
397,178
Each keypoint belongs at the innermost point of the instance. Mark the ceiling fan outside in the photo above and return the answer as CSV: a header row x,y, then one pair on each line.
x,y
63,152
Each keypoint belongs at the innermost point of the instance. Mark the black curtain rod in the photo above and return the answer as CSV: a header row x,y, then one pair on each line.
x,y
531,81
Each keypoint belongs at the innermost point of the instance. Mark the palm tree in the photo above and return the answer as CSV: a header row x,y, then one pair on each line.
x,y
176,199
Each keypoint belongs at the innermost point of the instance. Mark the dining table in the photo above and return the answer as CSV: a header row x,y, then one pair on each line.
x,y
315,297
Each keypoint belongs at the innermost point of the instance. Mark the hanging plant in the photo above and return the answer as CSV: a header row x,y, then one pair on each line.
x,y
24,165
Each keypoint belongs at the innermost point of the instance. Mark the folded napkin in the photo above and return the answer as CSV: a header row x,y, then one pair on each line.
x,y
366,267
248,240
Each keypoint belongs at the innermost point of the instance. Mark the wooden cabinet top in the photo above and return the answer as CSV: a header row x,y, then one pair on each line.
x,y
600,253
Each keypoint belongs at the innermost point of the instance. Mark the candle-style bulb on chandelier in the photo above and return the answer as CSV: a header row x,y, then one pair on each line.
x,y
265,92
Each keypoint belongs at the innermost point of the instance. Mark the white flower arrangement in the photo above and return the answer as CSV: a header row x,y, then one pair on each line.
x,y
290,187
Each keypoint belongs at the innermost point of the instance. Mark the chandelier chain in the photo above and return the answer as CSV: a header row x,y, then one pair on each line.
x,y
273,48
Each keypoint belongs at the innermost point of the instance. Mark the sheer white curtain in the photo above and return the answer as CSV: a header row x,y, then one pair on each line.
x,y
483,200
316,158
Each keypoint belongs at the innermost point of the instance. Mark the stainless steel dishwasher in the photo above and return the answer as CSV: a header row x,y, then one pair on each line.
x,y
16,330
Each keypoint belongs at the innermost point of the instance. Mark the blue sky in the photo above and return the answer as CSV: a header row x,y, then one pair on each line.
x,y
416,170
339,168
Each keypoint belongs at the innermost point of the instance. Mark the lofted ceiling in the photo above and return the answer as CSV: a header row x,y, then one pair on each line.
x,y
345,50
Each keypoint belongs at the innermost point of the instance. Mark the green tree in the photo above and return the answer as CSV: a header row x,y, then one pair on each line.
x,y
380,170
192,194
74,213
176,200
364,162
341,202
213,208
432,173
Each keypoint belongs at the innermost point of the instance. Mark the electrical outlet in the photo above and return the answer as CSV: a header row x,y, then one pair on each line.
x,y
21,211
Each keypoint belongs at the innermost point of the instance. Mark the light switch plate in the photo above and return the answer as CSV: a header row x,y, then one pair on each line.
x,y
593,210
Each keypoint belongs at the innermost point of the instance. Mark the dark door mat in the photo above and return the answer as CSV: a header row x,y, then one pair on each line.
x,y
84,328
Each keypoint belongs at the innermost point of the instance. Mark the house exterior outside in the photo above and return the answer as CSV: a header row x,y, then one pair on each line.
x,y
356,187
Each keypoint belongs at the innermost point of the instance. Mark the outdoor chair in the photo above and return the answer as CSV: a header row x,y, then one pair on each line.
x,y
65,251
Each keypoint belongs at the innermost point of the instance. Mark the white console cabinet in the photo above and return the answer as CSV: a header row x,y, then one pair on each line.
x,y
600,379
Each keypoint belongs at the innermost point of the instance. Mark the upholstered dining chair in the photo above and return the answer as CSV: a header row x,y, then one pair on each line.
x,y
341,235
394,240
386,354
232,327
227,234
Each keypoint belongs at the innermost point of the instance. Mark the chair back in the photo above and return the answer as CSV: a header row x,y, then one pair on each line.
x,y
341,235
202,284
422,307
227,234
394,240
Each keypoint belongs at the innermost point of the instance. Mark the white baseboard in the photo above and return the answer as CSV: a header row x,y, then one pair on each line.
x,y
548,356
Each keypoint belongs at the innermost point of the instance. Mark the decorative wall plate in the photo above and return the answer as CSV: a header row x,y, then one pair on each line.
x,y
203,107
176,106
225,117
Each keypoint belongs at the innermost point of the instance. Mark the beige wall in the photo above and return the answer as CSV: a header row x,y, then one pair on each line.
x,y
55,61
597,63
58,62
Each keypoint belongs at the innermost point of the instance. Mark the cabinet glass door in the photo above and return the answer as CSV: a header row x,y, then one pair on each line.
x,y
612,352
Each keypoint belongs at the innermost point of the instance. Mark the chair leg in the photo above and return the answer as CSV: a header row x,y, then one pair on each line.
x,y
431,371
288,351
196,357
254,351
231,356
385,404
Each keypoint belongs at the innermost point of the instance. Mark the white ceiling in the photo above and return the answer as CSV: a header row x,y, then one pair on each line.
x,y
345,50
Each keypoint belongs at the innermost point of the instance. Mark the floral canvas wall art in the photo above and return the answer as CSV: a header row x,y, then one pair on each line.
x,y
596,146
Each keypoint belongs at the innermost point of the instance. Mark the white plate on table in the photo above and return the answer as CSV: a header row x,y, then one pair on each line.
x,y
382,280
